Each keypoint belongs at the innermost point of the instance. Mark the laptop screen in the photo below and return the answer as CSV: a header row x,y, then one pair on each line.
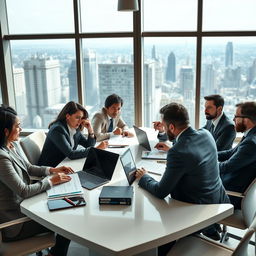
x,y
101,163
142,138
129,166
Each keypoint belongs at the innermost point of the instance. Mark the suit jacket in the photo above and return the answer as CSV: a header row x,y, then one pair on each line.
x,y
192,173
238,165
100,123
15,186
57,145
224,133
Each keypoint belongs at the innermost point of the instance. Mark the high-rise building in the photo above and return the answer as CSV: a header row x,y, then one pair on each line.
x,y
119,79
153,53
187,82
72,81
252,72
171,68
43,87
229,55
209,80
232,78
91,91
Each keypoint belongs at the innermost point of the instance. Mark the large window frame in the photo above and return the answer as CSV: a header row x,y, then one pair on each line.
x,y
6,77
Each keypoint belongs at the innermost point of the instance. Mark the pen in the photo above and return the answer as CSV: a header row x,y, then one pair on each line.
x,y
155,173
69,201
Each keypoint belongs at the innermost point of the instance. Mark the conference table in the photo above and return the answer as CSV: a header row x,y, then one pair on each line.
x,y
137,229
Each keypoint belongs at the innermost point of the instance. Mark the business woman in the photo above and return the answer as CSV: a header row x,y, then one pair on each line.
x,y
15,183
65,135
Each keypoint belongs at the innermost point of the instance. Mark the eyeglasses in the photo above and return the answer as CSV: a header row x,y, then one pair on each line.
x,y
241,117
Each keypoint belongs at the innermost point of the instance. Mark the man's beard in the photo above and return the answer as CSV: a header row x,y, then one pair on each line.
x,y
210,117
170,135
241,127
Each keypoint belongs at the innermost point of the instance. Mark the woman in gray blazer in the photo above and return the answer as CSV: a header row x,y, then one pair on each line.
x,y
15,183
65,135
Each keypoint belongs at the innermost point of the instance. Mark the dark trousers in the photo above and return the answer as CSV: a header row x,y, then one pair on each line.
x,y
32,228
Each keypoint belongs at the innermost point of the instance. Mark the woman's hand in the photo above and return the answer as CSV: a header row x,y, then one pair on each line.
x,y
62,169
59,178
86,123
103,145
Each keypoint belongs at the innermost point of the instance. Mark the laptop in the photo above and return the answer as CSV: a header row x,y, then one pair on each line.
x,y
98,168
130,167
142,138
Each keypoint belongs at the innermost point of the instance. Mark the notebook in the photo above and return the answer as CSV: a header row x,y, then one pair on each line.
x,y
144,142
98,168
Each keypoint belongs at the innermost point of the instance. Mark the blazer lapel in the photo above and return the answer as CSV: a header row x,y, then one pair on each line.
x,y
17,161
219,125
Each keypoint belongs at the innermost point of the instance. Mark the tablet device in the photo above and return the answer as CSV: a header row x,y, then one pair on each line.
x,y
64,203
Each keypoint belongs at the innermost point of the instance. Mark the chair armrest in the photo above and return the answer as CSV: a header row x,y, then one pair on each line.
x,y
14,222
234,193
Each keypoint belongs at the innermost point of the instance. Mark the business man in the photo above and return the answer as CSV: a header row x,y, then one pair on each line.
x,y
218,124
108,122
192,173
238,165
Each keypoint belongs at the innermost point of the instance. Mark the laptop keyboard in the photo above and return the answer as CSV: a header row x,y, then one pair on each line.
x,y
89,181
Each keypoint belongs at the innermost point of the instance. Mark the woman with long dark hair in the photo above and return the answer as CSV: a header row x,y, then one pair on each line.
x,y
15,184
65,135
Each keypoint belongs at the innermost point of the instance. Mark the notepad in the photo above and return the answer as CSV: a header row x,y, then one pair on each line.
x,y
67,189
154,154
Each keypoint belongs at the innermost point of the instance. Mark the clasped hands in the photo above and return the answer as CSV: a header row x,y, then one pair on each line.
x,y
119,131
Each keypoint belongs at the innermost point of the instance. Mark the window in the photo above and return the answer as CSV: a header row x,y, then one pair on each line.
x,y
169,75
108,68
44,79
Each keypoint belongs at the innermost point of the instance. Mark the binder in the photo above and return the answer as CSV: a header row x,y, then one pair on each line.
x,y
116,195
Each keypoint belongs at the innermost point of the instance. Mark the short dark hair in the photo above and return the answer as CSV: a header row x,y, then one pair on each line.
x,y
248,109
217,99
176,114
7,119
113,99
70,108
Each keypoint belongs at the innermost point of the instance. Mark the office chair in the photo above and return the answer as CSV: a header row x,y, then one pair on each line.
x,y
243,218
201,246
32,146
25,246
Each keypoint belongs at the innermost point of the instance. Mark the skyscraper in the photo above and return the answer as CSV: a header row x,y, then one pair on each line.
x,y
91,91
153,53
187,82
72,81
43,87
171,68
209,80
229,55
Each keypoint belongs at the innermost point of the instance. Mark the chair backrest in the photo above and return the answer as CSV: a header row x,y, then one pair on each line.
x,y
248,205
242,248
32,146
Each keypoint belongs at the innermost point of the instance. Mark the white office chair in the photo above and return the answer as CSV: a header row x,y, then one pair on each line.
x,y
201,246
243,218
25,246
32,146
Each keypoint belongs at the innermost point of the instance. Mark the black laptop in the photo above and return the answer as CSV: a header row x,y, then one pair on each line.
x,y
128,166
98,168
142,138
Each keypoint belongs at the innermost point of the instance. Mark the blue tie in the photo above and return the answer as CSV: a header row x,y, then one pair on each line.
x,y
110,128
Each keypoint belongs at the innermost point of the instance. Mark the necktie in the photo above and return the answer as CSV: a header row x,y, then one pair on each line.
x,y
110,128
211,128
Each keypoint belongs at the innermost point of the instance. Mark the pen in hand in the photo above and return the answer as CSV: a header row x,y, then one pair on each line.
x,y
69,201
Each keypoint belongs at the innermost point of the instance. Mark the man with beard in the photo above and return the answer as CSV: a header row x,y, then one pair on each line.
x,y
238,165
192,173
218,124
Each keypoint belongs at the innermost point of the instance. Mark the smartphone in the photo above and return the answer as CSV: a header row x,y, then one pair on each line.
x,y
59,204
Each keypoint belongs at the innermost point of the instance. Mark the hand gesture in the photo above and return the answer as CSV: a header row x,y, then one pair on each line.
x,y
127,134
86,123
162,146
158,126
140,172
118,131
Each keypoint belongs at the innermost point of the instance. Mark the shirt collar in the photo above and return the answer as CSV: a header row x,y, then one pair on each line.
x,y
216,121
181,133
246,132
72,131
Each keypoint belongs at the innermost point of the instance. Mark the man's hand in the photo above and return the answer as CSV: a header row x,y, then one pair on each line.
x,y
61,169
127,134
140,172
103,144
158,126
118,131
162,146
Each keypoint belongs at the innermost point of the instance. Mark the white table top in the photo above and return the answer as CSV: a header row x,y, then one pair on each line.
x,y
124,230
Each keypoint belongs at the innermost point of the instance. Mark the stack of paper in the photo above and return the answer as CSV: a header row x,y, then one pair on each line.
x,y
67,189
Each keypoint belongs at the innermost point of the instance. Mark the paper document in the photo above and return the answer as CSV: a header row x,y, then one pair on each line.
x,y
71,188
118,140
152,166
154,154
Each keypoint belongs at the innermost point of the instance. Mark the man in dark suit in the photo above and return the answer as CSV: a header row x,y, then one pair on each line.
x,y
192,173
238,165
218,124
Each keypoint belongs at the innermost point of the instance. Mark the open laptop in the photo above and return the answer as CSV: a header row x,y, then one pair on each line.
x,y
98,168
142,138
130,167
